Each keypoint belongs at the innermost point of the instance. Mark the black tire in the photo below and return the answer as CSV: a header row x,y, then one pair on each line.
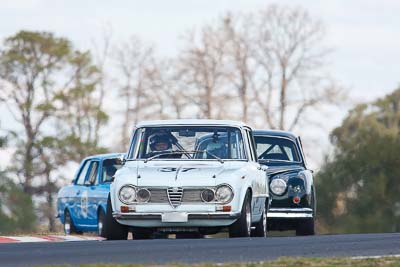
x,y
261,226
307,226
100,223
69,227
242,226
112,229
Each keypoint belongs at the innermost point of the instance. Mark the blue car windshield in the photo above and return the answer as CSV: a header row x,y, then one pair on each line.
x,y
191,142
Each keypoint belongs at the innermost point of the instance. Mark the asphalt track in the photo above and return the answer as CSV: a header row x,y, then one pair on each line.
x,y
217,250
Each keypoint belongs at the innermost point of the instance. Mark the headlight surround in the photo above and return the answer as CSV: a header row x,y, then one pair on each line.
x,y
143,195
278,186
127,194
207,195
224,193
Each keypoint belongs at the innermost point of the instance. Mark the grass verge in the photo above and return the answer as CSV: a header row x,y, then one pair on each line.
x,y
281,262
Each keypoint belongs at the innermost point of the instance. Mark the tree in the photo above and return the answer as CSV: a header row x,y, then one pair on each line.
x,y
358,188
287,45
16,207
133,61
202,70
28,64
52,92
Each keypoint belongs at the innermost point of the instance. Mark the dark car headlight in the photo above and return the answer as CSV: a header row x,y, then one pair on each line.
x,y
278,186
207,195
143,195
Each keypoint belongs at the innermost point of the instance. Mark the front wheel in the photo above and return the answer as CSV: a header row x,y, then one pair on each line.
x,y
69,227
305,227
242,227
100,223
261,226
112,229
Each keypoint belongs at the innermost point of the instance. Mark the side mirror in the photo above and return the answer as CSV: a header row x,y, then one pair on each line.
x,y
120,160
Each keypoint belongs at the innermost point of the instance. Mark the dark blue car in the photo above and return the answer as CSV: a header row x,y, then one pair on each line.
x,y
291,182
82,205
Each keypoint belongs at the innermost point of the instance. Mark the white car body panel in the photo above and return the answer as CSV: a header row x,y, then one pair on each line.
x,y
240,175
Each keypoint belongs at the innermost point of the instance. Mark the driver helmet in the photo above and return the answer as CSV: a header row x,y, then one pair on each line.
x,y
160,142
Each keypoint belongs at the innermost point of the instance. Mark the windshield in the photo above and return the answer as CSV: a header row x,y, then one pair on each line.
x,y
190,142
276,149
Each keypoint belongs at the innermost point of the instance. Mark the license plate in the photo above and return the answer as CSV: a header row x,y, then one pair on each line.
x,y
174,217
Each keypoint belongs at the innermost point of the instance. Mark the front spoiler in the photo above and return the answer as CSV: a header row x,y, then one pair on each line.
x,y
286,213
196,216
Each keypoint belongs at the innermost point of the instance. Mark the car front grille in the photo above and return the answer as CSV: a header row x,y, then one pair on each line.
x,y
158,196
175,196
192,195
167,195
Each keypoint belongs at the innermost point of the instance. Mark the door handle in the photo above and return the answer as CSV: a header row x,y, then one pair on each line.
x,y
78,193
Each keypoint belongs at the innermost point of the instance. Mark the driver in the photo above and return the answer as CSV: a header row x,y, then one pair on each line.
x,y
159,143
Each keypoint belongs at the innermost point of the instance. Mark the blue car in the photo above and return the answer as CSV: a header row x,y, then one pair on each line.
x,y
82,205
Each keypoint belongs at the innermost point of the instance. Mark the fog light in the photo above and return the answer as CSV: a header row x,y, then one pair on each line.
x,y
296,200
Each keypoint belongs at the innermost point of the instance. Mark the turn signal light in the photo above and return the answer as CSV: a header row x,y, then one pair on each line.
x,y
296,200
226,208
124,209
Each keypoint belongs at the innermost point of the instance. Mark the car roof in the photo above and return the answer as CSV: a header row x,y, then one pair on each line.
x,y
192,122
277,133
104,156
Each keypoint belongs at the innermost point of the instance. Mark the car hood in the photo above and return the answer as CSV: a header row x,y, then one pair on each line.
x,y
183,173
274,170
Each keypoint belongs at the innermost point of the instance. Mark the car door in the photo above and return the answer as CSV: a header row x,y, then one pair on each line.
x,y
76,207
89,198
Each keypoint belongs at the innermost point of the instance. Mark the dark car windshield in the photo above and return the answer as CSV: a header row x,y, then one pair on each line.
x,y
191,142
271,148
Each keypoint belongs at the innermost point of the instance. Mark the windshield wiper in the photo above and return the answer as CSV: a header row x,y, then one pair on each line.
x,y
208,153
163,154
184,152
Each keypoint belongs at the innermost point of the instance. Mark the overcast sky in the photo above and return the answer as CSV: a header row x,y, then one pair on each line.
x,y
364,34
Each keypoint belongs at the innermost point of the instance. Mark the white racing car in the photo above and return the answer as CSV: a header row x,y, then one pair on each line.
x,y
191,178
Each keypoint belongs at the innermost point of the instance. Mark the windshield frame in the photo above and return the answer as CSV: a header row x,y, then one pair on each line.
x,y
138,134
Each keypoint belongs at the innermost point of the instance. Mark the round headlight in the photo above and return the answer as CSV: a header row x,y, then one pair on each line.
x,y
207,195
143,195
224,194
278,186
127,194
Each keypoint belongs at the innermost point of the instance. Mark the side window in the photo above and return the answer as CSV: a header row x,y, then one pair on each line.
x,y
81,178
91,179
110,166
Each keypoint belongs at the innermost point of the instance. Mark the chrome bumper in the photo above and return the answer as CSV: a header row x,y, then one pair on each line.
x,y
193,216
290,213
